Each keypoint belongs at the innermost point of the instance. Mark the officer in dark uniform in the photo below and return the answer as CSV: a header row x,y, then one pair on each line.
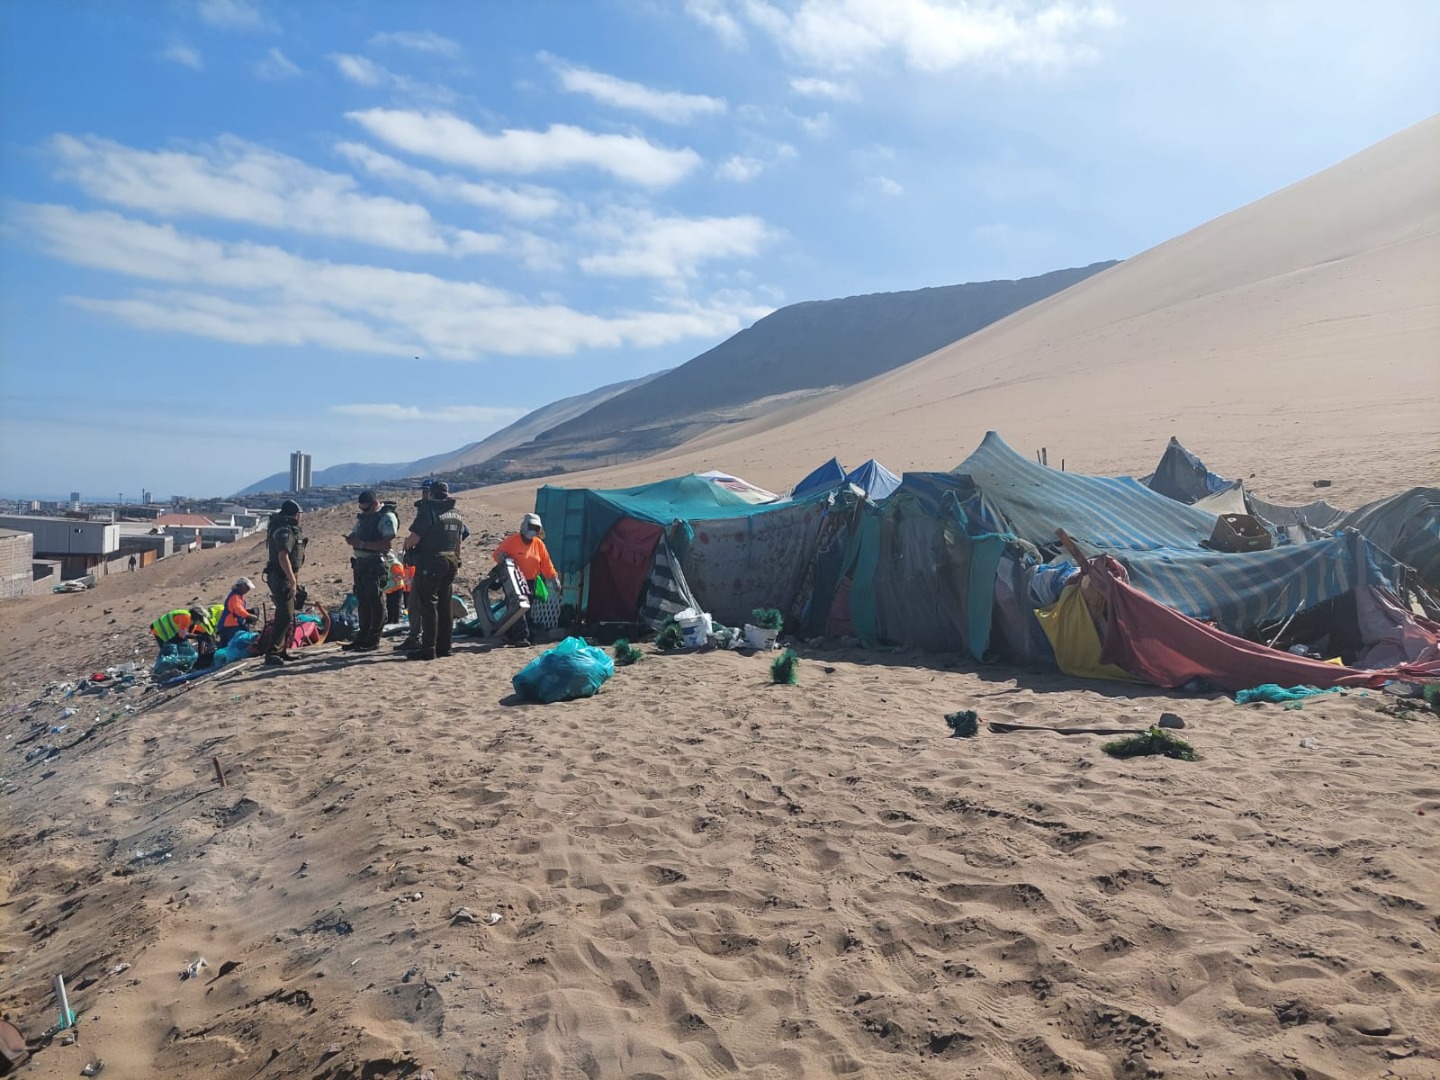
x,y
434,539
286,545
371,538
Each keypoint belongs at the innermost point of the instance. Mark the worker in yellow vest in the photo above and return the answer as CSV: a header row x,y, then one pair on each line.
x,y
175,626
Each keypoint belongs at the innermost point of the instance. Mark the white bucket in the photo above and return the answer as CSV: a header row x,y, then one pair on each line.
x,y
757,637
694,629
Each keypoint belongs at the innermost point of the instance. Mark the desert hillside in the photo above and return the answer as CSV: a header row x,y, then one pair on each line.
x,y
1295,339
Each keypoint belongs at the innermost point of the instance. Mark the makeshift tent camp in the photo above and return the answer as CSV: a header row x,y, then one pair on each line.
x,y
652,546
949,557
964,560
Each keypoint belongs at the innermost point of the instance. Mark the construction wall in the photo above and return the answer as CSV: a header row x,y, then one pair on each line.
x,y
17,552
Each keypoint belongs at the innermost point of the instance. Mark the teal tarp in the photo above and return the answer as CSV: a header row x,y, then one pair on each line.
x,y
576,520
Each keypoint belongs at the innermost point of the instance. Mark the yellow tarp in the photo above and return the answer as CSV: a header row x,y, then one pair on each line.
x,y
1072,635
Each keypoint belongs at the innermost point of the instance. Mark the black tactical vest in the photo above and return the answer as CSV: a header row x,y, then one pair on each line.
x,y
444,531
284,535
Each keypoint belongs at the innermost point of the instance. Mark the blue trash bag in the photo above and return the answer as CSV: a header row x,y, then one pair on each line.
x,y
571,670
175,658
238,647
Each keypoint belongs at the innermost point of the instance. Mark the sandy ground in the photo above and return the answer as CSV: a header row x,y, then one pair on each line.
x,y
698,873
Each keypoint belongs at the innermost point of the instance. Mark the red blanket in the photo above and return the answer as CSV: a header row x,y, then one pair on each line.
x,y
1162,646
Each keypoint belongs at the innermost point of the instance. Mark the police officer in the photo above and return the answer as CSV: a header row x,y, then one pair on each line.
x,y
286,545
412,613
434,541
371,538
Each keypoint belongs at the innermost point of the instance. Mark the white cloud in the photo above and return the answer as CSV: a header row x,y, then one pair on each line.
x,y
670,106
928,35
448,138
671,247
366,72
238,181
185,56
824,88
740,169
289,300
233,15
359,69
444,414
886,186
528,203
712,14
276,66
426,41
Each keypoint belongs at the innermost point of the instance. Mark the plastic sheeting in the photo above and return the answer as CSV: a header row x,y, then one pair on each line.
x,y
1074,639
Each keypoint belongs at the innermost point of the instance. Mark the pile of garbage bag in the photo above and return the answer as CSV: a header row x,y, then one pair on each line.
x,y
570,670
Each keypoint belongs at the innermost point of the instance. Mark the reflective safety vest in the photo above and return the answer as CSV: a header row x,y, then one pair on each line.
x,y
171,625
401,578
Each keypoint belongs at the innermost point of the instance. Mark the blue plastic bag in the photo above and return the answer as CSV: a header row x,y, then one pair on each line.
x,y
239,646
571,670
175,658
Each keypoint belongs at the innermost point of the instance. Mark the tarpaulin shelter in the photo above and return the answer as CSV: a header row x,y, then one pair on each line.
x,y
1183,477
821,478
874,480
1405,526
627,549
951,556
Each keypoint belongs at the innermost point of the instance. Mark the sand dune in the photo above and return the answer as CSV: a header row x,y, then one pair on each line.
x,y
700,874
1295,339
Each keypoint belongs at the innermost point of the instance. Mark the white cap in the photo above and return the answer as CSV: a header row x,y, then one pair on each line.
x,y
531,521
244,583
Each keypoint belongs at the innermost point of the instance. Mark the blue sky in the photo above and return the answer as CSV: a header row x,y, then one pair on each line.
x,y
376,231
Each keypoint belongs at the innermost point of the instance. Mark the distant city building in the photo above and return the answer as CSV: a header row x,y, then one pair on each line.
x,y
74,500
299,471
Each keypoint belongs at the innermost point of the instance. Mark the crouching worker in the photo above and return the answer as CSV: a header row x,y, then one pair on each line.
x,y
236,616
434,543
527,550
182,624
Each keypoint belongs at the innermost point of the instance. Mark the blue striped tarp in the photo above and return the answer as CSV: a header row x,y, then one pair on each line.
x,y
1159,541
1105,513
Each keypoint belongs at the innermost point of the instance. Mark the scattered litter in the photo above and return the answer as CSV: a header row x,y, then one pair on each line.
x,y
120,967
1276,693
410,897
1395,687
492,918
1157,741
1310,743
94,1068
465,915
194,969
963,724
410,974
65,714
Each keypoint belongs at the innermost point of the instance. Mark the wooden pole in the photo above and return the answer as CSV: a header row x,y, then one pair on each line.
x,y
219,772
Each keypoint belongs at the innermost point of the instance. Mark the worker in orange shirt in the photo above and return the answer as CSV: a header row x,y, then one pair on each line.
x,y
236,616
399,583
527,550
